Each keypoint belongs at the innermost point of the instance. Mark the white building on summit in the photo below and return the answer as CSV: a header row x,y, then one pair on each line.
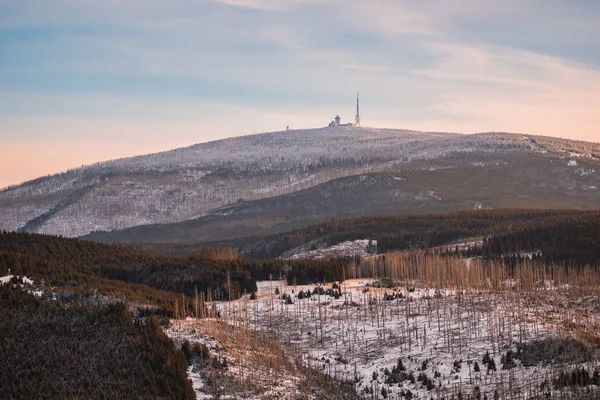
x,y
337,120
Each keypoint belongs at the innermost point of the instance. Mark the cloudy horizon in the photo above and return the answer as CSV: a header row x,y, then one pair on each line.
x,y
86,81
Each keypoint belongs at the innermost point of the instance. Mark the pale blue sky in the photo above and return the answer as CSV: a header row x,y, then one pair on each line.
x,y
83,81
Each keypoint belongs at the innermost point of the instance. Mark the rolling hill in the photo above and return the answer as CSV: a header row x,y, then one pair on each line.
x,y
275,182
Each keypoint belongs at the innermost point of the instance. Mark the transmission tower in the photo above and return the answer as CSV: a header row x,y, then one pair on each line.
x,y
357,111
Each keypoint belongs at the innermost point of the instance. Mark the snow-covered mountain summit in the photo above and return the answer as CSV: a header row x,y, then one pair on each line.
x,y
186,183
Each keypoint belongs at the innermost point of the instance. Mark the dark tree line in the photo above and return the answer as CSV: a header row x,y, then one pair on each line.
x,y
313,271
96,352
391,232
82,266
567,239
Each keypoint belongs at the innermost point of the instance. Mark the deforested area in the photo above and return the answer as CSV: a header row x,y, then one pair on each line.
x,y
423,325
236,361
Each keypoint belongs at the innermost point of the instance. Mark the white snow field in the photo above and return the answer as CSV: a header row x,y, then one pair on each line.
x,y
438,335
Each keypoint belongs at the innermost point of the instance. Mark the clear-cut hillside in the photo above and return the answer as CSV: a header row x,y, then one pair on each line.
x,y
210,179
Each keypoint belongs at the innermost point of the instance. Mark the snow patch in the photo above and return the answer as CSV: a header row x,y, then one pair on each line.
x,y
585,171
435,196
198,383
7,278
345,249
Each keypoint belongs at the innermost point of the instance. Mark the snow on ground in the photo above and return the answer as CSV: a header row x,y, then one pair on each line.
x,y
462,246
436,334
585,171
7,278
344,249
198,383
524,254
177,333
256,369
26,281
189,182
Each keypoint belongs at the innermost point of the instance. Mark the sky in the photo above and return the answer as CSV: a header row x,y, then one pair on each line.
x,y
83,81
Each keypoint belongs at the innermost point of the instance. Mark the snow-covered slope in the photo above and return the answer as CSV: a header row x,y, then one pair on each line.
x,y
190,182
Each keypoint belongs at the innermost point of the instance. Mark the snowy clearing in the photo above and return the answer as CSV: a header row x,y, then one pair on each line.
x,y
438,335
362,248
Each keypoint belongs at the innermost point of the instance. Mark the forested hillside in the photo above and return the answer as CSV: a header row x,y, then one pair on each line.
x,y
564,239
82,267
276,182
96,352
87,271
391,232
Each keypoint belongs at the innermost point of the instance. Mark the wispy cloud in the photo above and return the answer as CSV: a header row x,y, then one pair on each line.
x,y
364,67
269,5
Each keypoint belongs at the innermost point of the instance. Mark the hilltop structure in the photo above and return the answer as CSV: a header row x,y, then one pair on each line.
x,y
357,118
337,120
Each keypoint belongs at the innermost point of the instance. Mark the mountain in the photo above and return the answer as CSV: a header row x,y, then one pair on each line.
x,y
278,181
455,182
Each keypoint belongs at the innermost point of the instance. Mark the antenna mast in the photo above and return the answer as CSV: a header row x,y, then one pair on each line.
x,y
357,112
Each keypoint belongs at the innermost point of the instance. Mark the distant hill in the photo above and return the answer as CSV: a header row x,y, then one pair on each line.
x,y
560,234
275,182
458,181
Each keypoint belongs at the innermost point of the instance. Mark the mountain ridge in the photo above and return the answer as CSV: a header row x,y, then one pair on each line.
x,y
196,181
